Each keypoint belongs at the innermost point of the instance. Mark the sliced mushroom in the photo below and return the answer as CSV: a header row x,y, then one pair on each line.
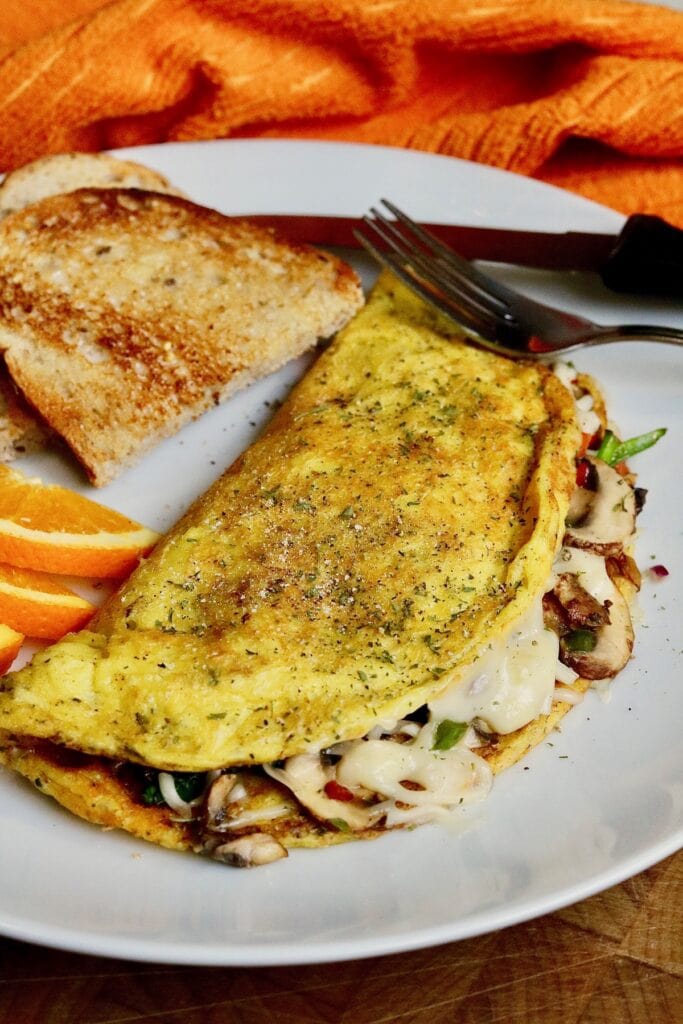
x,y
250,851
622,565
553,613
614,638
613,647
641,497
218,800
579,506
602,520
579,608
584,493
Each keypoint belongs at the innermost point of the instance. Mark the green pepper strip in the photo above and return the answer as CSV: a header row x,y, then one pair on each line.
x,y
637,444
340,824
613,451
608,447
448,733
581,640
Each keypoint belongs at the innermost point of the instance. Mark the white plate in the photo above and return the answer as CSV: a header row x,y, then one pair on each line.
x,y
600,802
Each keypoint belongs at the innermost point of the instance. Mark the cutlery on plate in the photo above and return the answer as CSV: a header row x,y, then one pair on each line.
x,y
504,320
646,257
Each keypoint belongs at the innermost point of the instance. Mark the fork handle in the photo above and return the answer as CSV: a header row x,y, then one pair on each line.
x,y
647,259
637,332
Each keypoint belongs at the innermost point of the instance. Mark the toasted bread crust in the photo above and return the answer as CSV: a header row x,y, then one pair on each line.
x,y
66,172
124,314
20,431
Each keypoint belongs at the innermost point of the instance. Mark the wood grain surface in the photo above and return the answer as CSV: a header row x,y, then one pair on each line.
x,y
616,958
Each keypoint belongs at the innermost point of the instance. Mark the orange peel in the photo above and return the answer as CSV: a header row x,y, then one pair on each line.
x,y
52,529
10,643
39,605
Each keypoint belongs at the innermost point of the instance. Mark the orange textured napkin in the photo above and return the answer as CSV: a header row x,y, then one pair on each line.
x,y
587,94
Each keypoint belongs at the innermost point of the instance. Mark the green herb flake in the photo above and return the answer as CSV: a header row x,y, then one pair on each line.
x,y
271,497
432,644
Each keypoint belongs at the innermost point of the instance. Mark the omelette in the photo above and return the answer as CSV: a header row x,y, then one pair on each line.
x,y
382,603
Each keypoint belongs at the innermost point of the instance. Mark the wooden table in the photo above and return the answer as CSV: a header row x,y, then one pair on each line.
x,y
616,958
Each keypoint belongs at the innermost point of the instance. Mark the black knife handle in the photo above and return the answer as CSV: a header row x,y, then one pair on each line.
x,y
647,258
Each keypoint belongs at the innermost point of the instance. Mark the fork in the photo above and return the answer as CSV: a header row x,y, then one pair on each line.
x,y
503,320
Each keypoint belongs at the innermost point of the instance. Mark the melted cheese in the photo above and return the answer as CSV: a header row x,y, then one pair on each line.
x,y
448,777
590,569
509,685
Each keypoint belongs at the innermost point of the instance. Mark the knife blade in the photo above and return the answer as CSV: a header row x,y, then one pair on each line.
x,y
646,257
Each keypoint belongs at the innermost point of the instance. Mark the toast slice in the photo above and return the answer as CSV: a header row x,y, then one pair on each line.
x,y
66,172
20,431
124,314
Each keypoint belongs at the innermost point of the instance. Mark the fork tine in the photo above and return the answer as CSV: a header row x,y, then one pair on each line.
x,y
461,272
413,268
434,244
437,268
452,306
463,299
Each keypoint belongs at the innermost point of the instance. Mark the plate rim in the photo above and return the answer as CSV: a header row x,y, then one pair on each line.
x,y
283,955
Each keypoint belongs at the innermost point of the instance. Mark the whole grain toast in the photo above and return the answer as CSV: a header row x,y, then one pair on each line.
x,y
66,172
124,314
21,432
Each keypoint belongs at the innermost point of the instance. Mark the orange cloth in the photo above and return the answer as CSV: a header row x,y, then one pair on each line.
x,y
587,94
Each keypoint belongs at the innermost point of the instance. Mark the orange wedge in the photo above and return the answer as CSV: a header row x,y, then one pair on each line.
x,y
53,529
10,642
39,605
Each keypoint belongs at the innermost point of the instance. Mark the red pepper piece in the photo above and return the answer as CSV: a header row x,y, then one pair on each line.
x,y
583,470
588,442
335,791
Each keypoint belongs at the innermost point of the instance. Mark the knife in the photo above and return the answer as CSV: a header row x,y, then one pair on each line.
x,y
646,257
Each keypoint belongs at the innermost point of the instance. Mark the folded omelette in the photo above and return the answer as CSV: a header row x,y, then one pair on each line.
x,y
361,621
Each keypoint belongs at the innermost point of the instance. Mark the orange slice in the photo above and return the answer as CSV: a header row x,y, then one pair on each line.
x,y
10,642
53,529
39,605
